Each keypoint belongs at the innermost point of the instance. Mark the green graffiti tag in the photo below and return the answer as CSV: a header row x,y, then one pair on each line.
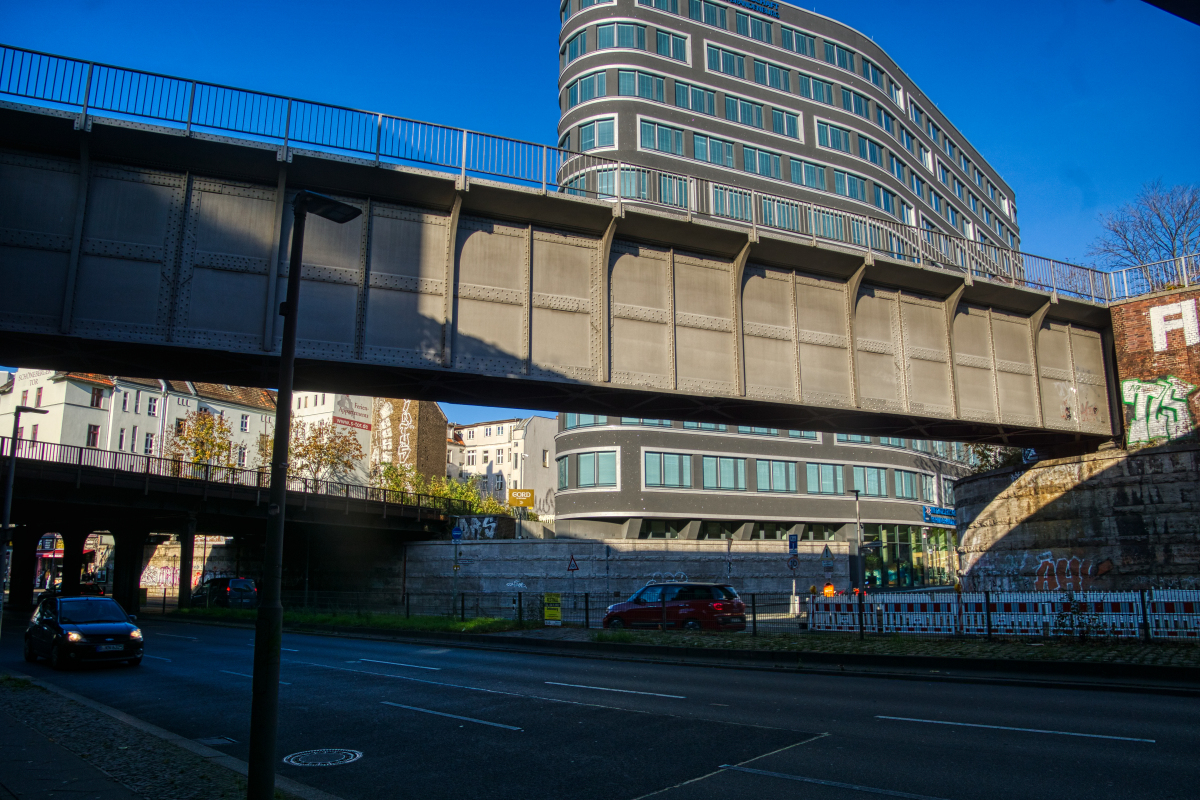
x,y
1160,409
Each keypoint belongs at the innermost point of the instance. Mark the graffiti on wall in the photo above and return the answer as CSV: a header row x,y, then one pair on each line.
x,y
478,527
1160,408
1025,570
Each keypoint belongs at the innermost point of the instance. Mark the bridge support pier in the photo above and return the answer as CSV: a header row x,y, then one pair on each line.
x,y
72,562
22,570
127,577
187,555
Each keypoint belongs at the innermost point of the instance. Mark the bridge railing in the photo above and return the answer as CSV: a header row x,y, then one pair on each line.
x,y
134,463
196,106
1159,276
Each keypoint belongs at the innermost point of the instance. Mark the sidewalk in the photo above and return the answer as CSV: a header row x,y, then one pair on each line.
x,y
34,766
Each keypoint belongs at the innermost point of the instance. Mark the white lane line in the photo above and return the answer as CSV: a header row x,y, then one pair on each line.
x,y
285,649
398,664
622,691
176,636
244,675
157,658
535,696
453,716
852,787
1022,730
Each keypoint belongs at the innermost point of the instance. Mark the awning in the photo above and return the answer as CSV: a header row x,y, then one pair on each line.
x,y
59,554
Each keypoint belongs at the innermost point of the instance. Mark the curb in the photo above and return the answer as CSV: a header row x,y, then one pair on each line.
x,y
288,785
848,665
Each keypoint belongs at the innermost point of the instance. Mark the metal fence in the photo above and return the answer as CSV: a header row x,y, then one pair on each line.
x,y
1154,615
151,466
1173,273
196,107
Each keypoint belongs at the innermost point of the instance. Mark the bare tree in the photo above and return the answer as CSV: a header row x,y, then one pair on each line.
x,y
1160,224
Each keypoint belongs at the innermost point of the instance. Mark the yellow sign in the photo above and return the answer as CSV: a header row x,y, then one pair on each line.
x,y
552,609
520,498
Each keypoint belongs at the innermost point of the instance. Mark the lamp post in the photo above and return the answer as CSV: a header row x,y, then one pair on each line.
x,y
268,631
8,493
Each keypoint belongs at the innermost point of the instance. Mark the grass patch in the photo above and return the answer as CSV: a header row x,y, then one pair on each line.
x,y
366,619
18,684
615,637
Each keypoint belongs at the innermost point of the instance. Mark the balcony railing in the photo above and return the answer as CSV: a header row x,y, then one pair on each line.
x,y
196,107
152,466
1174,273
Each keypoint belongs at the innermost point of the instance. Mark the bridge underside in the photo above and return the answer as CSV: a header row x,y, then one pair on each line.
x,y
137,250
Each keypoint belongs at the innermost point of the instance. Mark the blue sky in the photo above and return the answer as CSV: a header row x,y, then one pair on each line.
x,y
1076,103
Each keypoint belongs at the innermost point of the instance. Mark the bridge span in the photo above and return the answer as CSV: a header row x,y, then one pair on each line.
x,y
134,241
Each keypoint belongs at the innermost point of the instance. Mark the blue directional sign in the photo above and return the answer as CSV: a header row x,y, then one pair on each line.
x,y
939,516
793,543
456,534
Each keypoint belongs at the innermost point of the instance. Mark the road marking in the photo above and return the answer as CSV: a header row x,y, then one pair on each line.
x,y
718,770
1023,730
285,649
176,636
623,691
251,677
453,716
852,787
157,658
396,664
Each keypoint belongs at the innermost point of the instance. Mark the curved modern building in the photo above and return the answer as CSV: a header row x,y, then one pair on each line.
x,y
655,479
757,96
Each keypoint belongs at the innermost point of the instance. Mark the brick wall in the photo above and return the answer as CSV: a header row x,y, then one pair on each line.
x,y
1157,342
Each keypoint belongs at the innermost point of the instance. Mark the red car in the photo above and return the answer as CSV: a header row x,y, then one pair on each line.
x,y
690,606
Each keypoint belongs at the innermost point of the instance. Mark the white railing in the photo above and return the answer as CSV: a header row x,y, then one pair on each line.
x,y
1159,276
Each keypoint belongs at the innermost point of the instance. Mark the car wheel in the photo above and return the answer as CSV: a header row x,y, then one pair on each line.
x,y
615,624
57,661
692,625
30,654
134,662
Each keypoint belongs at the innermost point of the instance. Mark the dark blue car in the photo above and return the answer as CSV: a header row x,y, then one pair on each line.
x,y
72,630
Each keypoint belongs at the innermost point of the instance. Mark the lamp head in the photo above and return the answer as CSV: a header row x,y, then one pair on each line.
x,y
327,207
31,410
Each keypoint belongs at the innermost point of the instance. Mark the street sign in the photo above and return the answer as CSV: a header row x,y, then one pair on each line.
x,y
793,562
552,609
940,516
456,534
520,498
793,543
572,567
827,558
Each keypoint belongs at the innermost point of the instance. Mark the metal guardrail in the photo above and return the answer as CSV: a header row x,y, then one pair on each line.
x,y
152,466
197,107
1159,276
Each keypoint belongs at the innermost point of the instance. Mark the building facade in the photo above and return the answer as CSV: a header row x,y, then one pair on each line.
x,y
623,478
770,98
512,454
131,415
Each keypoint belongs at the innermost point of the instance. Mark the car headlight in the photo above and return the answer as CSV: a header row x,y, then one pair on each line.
x,y
74,636
136,635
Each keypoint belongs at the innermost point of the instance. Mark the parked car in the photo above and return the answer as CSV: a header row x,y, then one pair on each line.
x,y
690,606
226,593
72,630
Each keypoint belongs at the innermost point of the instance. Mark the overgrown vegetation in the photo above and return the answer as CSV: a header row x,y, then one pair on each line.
x,y
366,619
987,457
317,451
405,478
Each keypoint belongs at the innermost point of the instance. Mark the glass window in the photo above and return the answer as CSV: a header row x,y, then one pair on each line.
x,y
753,27
714,151
641,84
906,485
663,5
849,185
885,120
743,111
657,423
761,162
852,438
661,529
797,42
596,469
724,473
708,13
562,470
785,123
671,470
586,88
576,46
596,134
856,104
584,420
699,100
661,138
869,150
704,426
836,54
747,429
806,174
948,492
814,89
776,476
671,45
885,199
803,434
928,489
771,530
871,481
728,62
826,479
872,73
833,137
891,441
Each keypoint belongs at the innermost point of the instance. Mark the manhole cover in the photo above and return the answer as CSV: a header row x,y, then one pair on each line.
x,y
322,758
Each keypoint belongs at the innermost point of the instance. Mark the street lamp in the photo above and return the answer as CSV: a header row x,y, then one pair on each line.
x,y
268,630
8,493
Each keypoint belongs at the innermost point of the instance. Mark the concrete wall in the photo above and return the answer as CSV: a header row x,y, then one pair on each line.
x,y
616,567
1158,357
1108,520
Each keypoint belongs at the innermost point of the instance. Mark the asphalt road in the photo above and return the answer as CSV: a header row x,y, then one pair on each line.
x,y
442,722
